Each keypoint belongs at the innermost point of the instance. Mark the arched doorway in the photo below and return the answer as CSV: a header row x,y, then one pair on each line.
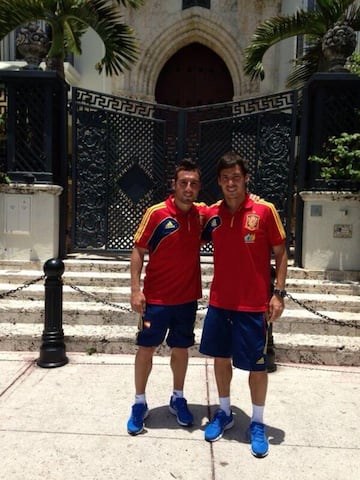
x,y
194,76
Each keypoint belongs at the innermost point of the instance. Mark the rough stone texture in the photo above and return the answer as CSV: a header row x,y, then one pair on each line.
x,y
108,326
163,28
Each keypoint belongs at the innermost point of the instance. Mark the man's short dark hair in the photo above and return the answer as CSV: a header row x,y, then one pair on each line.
x,y
232,159
187,164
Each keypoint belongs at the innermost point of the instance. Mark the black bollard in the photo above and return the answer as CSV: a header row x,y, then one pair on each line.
x,y
52,350
270,363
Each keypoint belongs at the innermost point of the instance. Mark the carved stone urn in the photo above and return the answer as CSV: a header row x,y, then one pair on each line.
x,y
338,44
33,44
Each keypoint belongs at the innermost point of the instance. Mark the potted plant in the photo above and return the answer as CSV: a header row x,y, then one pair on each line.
x,y
3,177
340,163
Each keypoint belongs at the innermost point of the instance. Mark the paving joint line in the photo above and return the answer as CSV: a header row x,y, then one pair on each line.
x,y
18,377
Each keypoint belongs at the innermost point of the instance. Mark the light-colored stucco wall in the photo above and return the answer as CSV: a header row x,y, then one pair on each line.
x,y
29,222
162,28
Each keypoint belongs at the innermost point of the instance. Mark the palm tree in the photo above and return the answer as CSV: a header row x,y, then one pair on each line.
x,y
68,20
313,25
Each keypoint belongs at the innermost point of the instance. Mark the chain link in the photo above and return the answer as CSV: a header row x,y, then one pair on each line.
x,y
21,287
324,318
91,296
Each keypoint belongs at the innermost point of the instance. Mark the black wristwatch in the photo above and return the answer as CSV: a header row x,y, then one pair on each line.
x,y
281,293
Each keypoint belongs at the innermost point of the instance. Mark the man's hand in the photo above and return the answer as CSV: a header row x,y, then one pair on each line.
x,y
138,302
276,308
254,197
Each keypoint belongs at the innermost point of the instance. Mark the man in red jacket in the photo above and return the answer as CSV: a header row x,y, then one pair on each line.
x,y
244,234
170,232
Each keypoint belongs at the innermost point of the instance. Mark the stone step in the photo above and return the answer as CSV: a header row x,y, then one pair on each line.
x,y
108,325
80,278
316,301
290,348
75,290
98,314
111,265
110,281
107,275
317,349
329,323
301,285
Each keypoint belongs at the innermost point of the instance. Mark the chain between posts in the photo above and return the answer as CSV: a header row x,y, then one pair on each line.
x,y
92,297
99,300
204,307
21,287
325,318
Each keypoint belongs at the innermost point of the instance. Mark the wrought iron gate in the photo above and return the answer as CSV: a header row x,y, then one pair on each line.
x,y
125,151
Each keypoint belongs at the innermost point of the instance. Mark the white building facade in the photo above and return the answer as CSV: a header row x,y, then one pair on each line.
x,y
164,27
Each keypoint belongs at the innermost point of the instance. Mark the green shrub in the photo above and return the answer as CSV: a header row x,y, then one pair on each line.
x,y
341,159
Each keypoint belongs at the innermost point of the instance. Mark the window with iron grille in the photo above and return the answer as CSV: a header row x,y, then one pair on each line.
x,y
300,41
8,48
195,3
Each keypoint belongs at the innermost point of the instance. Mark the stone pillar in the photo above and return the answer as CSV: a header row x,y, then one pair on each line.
x,y
331,230
29,222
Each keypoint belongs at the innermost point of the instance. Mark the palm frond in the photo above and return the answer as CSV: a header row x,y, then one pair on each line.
x,y
12,14
120,44
353,17
305,66
272,31
333,10
70,19
72,37
313,25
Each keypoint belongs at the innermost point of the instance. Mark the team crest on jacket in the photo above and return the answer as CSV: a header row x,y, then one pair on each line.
x,y
252,221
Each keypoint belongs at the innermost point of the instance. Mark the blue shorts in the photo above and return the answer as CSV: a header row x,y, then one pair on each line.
x,y
177,321
241,336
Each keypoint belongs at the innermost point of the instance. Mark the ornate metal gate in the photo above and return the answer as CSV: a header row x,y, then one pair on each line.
x,y
125,151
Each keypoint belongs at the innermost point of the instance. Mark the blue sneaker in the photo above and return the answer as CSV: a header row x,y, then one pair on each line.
x,y
135,424
259,444
218,425
179,408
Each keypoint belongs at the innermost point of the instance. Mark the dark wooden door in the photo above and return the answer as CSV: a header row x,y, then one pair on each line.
x,y
194,76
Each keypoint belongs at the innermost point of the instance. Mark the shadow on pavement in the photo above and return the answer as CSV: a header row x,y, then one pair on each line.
x,y
161,418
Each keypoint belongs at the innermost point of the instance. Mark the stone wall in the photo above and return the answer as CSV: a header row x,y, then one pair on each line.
x,y
162,28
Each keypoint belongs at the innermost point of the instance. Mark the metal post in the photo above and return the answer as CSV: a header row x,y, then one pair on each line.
x,y
270,363
52,350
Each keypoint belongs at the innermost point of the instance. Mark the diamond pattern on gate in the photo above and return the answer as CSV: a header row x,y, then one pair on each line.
x,y
135,183
136,174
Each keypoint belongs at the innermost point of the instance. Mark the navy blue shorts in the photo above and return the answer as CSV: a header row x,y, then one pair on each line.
x,y
175,322
241,336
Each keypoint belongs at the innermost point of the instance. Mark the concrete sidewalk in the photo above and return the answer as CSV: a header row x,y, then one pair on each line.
x,y
69,423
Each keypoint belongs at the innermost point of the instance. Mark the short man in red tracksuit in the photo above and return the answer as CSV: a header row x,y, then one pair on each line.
x,y
170,232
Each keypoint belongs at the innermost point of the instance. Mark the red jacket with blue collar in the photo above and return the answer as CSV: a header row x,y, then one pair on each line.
x,y
172,238
243,243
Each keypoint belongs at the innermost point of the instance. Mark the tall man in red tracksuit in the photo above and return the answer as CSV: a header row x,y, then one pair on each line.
x,y
245,234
